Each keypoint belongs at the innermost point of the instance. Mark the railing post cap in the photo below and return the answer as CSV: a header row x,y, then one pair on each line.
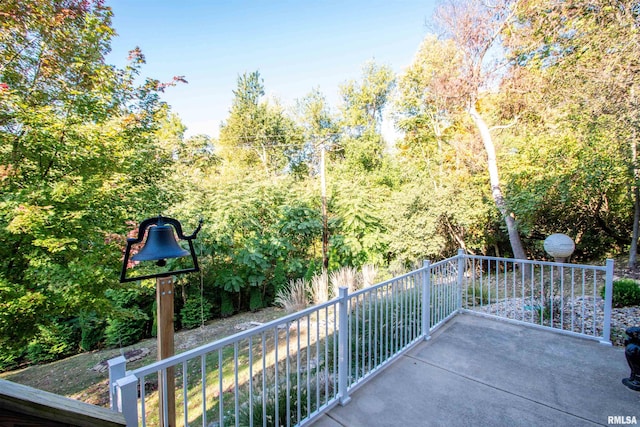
x,y
125,381
116,361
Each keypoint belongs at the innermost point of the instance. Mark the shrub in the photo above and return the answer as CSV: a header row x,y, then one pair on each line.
x,y
313,269
10,359
381,326
626,292
290,393
195,311
52,342
255,299
226,307
477,295
91,330
279,280
128,323
127,328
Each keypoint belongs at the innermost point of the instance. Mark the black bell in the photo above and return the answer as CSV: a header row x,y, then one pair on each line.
x,y
160,245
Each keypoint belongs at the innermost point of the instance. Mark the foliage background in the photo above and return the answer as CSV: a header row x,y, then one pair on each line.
x,y
87,151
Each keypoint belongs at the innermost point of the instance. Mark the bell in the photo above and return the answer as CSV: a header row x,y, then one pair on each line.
x,y
160,245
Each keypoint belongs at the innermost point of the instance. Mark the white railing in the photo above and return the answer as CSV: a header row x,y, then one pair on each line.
x,y
280,373
444,296
564,297
289,371
384,320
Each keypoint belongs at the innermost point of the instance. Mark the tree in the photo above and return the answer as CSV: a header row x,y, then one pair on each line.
x,y
319,128
475,28
364,102
423,106
443,207
320,132
256,132
584,58
362,107
78,158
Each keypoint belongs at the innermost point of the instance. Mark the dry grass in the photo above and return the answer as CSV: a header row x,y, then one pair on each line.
x,y
344,277
320,288
369,273
294,297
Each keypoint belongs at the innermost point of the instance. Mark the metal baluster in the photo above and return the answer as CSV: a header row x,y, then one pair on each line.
x,y
583,299
288,374
203,381
276,372
264,379
522,278
184,392
573,299
343,347
220,389
376,330
326,354
298,397
317,368
533,281
595,305
308,363
513,288
356,320
250,380
551,295
165,409
561,297
236,394
369,331
335,347
142,402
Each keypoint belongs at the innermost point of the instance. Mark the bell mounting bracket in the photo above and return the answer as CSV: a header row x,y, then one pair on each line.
x,y
160,220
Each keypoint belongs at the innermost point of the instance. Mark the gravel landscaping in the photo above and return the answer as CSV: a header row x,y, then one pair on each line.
x,y
581,321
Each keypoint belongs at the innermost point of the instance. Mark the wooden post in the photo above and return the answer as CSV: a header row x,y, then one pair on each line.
x,y
164,298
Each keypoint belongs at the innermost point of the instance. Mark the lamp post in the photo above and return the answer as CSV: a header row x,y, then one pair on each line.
x,y
161,244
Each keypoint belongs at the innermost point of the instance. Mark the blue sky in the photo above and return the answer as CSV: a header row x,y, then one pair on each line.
x,y
296,46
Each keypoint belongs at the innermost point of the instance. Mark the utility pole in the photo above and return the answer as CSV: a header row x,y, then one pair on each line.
x,y
325,227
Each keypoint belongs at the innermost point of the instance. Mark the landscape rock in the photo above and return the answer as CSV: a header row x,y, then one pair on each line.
x,y
573,314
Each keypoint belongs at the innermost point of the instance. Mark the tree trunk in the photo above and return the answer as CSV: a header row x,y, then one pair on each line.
x,y
496,191
633,250
264,159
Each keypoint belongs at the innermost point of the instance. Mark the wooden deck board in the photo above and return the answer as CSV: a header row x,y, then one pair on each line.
x,y
34,405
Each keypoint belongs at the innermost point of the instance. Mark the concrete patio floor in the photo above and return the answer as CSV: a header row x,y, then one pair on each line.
x,y
482,372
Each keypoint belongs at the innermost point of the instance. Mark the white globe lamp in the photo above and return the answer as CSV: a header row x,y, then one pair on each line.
x,y
559,246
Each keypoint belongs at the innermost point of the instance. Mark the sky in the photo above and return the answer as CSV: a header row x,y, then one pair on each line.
x,y
296,45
